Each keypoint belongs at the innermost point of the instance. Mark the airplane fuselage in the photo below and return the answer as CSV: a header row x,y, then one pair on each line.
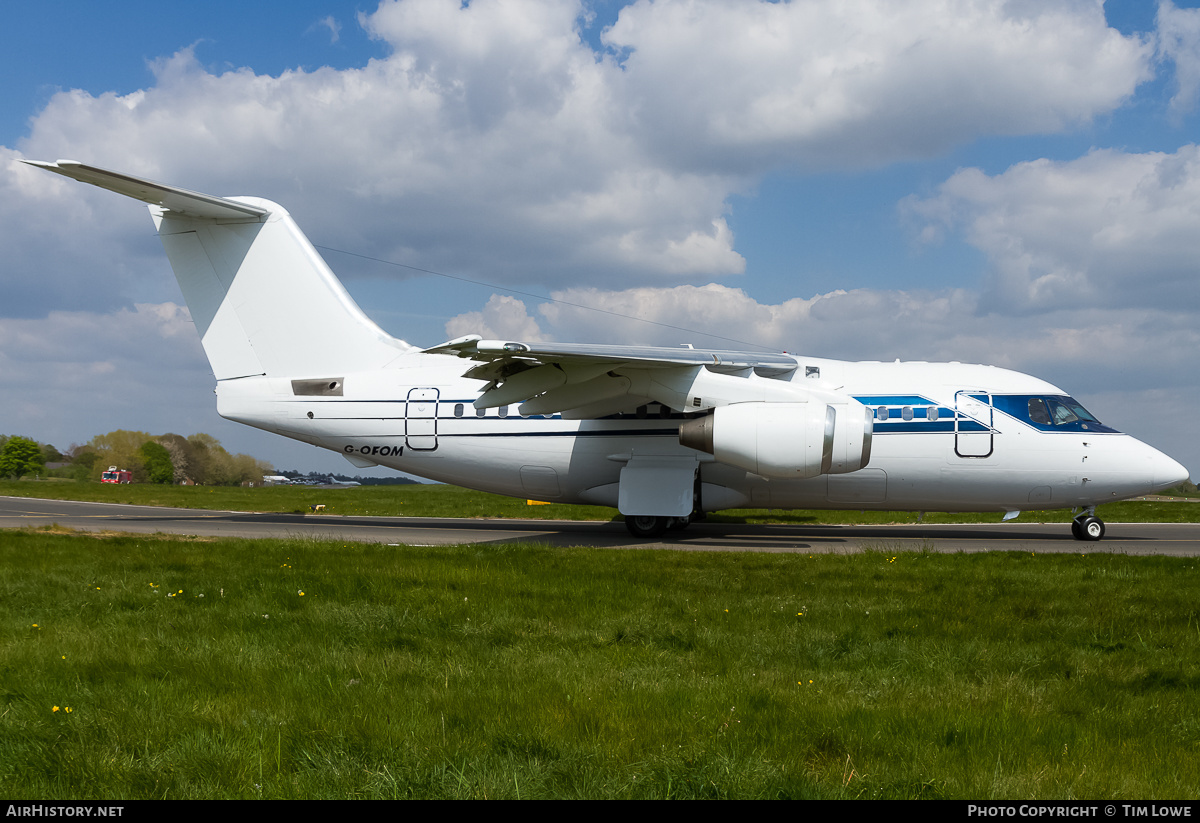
x,y
946,437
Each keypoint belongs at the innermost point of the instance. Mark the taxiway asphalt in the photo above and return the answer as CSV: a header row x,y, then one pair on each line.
x,y
1177,539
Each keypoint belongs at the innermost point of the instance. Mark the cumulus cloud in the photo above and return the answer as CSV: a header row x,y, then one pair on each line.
x,y
492,139
503,318
1090,232
1179,42
485,143
740,85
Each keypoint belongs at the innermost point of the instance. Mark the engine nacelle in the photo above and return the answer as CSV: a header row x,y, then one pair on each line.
x,y
851,436
785,440
791,440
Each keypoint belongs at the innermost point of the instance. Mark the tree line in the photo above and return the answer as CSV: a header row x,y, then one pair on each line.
x,y
166,458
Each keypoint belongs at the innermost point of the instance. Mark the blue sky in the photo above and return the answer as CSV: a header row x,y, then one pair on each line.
x,y
1012,184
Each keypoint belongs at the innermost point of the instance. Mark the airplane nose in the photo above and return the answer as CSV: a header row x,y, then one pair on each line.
x,y
1168,472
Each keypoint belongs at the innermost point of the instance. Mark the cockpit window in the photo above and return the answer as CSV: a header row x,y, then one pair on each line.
x,y
1051,413
1066,410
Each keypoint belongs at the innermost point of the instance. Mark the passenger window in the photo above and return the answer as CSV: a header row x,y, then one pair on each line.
x,y
907,413
881,413
503,411
458,409
480,412
931,413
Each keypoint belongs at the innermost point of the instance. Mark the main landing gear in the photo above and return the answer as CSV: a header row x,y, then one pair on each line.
x,y
1087,526
645,525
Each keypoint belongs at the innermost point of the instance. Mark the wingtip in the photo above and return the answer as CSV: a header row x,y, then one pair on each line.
x,y
52,165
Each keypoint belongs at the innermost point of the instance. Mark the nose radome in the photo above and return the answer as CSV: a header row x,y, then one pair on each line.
x,y
1168,472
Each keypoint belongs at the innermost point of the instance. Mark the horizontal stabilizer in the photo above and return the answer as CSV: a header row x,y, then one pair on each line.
x,y
176,200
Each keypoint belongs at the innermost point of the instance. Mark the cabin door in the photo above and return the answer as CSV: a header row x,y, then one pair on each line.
x,y
973,424
420,419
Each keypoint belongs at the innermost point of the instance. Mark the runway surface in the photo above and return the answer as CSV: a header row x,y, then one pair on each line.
x,y
1177,539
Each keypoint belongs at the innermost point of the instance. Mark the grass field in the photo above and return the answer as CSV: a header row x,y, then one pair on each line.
x,y
134,667
419,500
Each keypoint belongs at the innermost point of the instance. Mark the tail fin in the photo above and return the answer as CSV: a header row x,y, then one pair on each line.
x,y
262,299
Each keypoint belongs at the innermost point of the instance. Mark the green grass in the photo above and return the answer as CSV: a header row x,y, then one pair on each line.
x,y
419,500
196,669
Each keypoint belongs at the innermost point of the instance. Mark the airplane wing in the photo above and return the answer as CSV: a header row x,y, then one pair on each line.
x,y
585,380
170,198
476,348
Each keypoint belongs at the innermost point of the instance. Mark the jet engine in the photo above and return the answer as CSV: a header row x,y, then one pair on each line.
x,y
785,440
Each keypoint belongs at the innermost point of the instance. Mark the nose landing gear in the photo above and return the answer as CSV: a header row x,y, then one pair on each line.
x,y
1086,526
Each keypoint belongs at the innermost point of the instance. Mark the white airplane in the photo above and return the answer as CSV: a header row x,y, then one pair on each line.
x,y
662,434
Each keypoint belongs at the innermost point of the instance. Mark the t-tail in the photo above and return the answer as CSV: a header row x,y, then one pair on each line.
x,y
263,300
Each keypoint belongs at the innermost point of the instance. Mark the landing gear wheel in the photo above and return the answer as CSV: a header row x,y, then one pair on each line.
x,y
645,525
677,524
1087,528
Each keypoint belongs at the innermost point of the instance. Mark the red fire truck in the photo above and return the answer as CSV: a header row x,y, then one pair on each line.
x,y
115,475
